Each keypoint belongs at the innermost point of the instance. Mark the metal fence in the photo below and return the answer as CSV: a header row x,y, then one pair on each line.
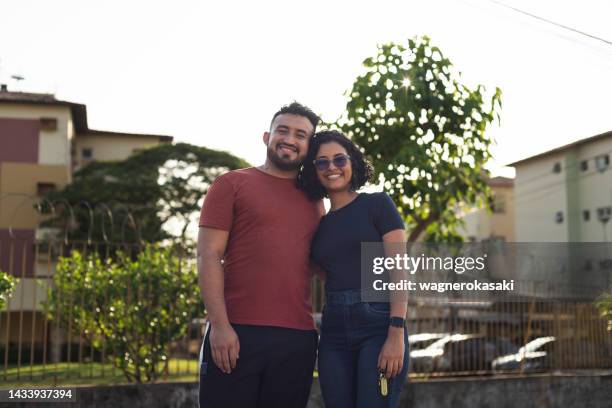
x,y
38,348
543,327
447,336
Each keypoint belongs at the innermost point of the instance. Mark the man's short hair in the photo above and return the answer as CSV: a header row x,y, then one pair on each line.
x,y
296,108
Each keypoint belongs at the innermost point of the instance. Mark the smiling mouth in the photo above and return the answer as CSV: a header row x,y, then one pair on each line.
x,y
333,176
286,148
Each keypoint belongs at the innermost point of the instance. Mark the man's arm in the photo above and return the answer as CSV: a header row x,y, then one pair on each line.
x,y
224,341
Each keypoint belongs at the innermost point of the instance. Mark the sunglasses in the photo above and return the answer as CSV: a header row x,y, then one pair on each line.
x,y
339,161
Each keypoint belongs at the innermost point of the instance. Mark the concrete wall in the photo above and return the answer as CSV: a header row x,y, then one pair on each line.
x,y
483,224
594,190
54,146
110,147
19,140
28,294
544,391
539,193
21,181
535,391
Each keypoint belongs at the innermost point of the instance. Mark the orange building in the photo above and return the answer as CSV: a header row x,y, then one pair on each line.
x,y
43,140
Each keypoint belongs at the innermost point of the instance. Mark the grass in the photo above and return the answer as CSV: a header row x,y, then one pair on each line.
x,y
87,374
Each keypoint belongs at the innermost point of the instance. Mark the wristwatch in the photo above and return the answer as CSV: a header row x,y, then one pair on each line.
x,y
397,321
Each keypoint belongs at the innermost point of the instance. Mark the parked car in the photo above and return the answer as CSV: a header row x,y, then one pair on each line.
x,y
425,360
460,352
532,356
423,340
475,353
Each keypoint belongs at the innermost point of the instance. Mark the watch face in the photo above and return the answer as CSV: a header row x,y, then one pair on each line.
x,y
397,322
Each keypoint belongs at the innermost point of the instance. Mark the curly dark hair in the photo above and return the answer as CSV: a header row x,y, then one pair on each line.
x,y
307,177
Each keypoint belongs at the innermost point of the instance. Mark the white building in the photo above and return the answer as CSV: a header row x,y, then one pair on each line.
x,y
565,194
497,224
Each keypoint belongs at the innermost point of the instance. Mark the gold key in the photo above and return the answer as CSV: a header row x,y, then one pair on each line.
x,y
382,385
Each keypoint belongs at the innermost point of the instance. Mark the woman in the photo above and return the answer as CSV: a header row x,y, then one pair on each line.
x,y
363,346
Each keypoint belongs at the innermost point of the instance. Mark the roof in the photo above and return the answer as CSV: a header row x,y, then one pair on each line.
x,y
92,132
78,111
564,148
500,182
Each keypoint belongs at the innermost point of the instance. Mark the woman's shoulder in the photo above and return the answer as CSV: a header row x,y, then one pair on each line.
x,y
375,203
377,197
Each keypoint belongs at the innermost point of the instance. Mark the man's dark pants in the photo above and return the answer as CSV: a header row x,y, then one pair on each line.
x,y
274,370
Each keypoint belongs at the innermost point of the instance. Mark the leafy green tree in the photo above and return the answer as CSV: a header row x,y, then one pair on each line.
x,y
7,283
130,307
158,187
424,133
604,304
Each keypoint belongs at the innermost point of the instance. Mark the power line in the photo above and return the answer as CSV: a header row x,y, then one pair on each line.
x,y
551,22
574,39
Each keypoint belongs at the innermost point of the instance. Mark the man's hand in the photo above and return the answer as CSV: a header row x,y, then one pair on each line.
x,y
391,357
224,347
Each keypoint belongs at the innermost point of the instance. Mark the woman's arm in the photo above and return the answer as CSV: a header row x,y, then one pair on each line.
x,y
394,243
391,357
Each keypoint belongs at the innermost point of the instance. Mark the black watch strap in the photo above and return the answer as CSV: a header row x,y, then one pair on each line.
x,y
397,321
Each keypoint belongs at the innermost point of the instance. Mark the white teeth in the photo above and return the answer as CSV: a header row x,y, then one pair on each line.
x,y
333,176
290,149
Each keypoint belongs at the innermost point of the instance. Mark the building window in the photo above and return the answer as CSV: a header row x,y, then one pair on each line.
x,y
605,264
48,124
602,162
499,204
604,213
584,165
87,153
42,189
586,215
557,168
559,217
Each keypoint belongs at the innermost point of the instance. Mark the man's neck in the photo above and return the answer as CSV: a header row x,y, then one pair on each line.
x,y
270,168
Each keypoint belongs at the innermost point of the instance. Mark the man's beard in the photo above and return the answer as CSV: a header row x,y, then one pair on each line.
x,y
284,164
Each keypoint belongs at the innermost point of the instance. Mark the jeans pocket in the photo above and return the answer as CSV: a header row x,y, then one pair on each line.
x,y
379,308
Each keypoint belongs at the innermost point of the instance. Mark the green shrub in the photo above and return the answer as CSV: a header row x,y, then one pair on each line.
x,y
132,307
7,283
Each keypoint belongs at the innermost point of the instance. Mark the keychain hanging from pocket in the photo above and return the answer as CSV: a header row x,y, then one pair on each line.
x,y
383,385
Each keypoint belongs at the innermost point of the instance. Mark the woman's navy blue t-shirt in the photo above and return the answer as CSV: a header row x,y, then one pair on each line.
x,y
336,246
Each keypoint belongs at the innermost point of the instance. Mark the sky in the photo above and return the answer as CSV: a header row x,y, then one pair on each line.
x,y
213,73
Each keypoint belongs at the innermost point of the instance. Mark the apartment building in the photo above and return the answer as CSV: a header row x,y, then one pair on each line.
x,y
496,224
564,195
43,140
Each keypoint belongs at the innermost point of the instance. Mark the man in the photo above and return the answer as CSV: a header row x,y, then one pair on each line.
x,y
253,269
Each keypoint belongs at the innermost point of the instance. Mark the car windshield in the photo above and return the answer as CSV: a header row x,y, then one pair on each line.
x,y
453,337
533,345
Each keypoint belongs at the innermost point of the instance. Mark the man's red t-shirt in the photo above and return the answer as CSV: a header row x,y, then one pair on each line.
x,y
266,265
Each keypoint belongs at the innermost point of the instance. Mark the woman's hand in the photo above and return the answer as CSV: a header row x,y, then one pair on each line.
x,y
391,357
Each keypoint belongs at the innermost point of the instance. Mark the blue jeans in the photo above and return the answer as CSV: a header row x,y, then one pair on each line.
x,y
352,336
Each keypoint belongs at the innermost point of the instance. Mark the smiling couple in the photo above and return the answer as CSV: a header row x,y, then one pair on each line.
x,y
263,234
